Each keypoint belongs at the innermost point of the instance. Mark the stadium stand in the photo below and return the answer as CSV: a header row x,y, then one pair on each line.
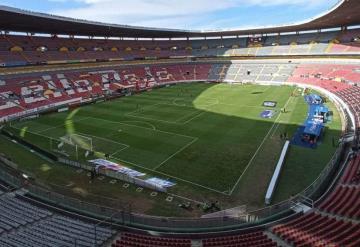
x,y
344,201
332,222
335,221
330,77
132,239
352,174
255,238
28,92
315,229
352,97
58,230
25,224
17,50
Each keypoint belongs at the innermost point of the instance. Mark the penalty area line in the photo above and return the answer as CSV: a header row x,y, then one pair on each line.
x,y
181,149
196,116
197,112
141,127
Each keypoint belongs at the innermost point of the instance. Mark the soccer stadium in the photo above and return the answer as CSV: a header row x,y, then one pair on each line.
x,y
128,136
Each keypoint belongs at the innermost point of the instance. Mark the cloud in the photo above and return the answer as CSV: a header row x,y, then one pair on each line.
x,y
184,14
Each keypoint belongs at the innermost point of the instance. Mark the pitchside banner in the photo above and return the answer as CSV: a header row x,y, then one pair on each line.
x,y
160,182
105,164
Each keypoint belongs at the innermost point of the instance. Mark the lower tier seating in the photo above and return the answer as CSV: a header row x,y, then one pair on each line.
x,y
256,239
344,201
23,224
315,229
138,240
352,172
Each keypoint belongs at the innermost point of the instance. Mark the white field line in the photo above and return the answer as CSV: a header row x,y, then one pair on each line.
x,y
149,124
141,127
125,146
34,133
181,149
55,127
105,139
245,106
167,175
276,128
152,119
142,166
133,114
189,120
120,150
258,149
188,115
177,99
142,108
198,111
130,114
185,198
189,106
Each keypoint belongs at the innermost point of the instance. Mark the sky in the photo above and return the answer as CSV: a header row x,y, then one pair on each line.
x,y
182,14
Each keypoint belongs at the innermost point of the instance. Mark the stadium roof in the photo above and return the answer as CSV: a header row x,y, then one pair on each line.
x,y
344,13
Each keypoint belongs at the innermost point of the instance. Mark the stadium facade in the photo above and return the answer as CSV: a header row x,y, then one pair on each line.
x,y
45,73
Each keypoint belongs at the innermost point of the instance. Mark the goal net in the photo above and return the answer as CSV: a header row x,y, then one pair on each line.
x,y
83,146
82,141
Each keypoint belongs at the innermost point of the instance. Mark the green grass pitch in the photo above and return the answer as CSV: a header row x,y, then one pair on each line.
x,y
208,138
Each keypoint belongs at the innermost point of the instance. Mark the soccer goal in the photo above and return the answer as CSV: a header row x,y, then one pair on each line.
x,y
82,141
84,146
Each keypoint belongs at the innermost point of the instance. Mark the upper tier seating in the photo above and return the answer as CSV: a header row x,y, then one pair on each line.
x,y
17,50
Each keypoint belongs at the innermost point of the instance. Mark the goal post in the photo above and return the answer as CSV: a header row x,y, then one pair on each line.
x,y
75,145
82,141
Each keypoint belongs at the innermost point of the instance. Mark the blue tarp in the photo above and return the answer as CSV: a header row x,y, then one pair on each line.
x,y
313,127
298,141
322,110
314,123
317,110
313,99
